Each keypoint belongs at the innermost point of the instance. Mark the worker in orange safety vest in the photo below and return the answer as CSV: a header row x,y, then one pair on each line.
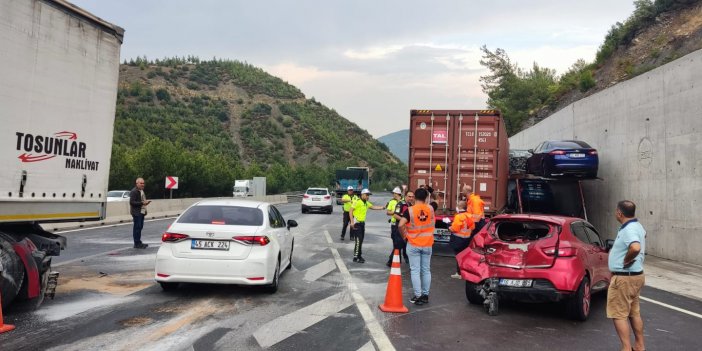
x,y
461,230
417,226
476,207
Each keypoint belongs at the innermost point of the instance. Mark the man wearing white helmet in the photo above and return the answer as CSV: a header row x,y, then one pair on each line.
x,y
347,200
394,233
359,208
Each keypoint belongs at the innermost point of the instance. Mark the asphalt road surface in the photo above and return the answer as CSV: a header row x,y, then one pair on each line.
x,y
107,300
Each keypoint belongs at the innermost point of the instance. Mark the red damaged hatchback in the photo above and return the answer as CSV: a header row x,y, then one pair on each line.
x,y
535,258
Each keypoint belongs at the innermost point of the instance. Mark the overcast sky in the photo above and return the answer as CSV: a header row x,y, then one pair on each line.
x,y
370,60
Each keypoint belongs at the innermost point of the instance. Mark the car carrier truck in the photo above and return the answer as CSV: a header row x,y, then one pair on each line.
x,y
58,96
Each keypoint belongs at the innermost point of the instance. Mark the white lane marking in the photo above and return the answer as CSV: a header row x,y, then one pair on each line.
x,y
110,225
91,256
286,326
367,347
671,307
319,270
376,331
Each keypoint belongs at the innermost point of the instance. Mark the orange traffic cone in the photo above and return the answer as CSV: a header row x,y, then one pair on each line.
x,y
393,294
4,327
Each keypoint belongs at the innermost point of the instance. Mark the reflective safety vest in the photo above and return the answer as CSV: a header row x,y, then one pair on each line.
x,y
420,228
360,208
391,207
476,206
347,205
462,225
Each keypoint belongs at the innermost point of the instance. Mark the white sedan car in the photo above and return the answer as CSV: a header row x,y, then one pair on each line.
x,y
226,241
317,199
118,195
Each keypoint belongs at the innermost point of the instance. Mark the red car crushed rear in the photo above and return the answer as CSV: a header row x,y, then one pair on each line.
x,y
536,258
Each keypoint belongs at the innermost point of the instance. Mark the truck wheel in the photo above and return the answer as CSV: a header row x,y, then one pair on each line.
x,y
579,303
12,275
473,293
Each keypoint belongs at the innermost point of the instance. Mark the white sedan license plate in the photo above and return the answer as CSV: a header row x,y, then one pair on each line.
x,y
576,155
316,199
209,245
517,283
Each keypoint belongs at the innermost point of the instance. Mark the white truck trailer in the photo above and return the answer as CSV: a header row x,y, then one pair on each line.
x,y
243,188
58,95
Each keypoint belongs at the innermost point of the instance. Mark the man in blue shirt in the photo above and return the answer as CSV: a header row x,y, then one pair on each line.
x,y
626,264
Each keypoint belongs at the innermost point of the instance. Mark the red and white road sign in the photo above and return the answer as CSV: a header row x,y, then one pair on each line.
x,y
171,182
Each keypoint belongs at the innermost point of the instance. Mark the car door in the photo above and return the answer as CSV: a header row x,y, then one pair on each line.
x,y
279,229
578,230
286,232
534,161
601,256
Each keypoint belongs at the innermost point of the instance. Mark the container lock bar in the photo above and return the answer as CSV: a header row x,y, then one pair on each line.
x,y
82,186
23,181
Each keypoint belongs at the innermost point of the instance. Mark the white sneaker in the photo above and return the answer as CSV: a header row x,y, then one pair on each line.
x,y
456,276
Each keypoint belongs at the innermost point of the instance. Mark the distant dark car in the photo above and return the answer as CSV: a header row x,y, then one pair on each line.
x,y
563,158
537,258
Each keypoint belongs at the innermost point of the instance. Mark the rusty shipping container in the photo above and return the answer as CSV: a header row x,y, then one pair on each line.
x,y
452,148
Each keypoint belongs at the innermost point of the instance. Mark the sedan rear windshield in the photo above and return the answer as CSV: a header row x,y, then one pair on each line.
x,y
225,215
569,145
115,193
523,230
317,192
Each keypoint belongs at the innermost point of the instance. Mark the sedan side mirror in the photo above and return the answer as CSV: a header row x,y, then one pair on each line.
x,y
292,223
609,243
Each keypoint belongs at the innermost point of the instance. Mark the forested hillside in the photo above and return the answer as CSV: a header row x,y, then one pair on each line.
x,y
211,122
656,33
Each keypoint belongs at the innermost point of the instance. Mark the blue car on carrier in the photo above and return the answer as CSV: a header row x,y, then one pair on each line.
x,y
556,158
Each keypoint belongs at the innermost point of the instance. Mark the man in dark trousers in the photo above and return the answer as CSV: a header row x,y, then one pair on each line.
x,y
398,241
137,207
347,200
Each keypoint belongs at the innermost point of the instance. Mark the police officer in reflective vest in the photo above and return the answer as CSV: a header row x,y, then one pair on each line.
x,y
359,208
347,200
397,241
417,225
461,230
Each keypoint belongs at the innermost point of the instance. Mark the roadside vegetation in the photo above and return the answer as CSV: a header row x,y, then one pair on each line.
x,y
211,122
527,95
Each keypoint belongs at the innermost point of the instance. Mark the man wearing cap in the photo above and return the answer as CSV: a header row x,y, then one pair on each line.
x,y
347,200
394,233
358,211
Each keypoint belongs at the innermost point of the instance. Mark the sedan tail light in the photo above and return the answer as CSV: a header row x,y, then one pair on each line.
x,y
305,196
173,237
562,252
592,152
252,240
327,197
557,152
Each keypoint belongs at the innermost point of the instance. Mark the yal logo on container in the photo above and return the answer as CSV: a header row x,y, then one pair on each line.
x,y
439,137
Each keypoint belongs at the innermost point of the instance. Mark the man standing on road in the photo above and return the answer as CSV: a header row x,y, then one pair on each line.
x,y
626,264
347,200
137,207
359,208
394,232
417,225
476,207
461,230
400,210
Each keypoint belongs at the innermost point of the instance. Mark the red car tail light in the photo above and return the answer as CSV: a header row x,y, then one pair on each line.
x,y
592,152
327,197
562,252
253,240
557,152
163,275
305,196
173,237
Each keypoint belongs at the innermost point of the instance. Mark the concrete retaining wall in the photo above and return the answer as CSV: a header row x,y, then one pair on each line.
x,y
648,131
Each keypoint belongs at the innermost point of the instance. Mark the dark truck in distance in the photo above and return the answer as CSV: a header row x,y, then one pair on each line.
x,y
356,177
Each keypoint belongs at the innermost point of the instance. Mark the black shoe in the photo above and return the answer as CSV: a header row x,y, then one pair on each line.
x,y
361,260
417,300
424,299
342,238
141,246
355,259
